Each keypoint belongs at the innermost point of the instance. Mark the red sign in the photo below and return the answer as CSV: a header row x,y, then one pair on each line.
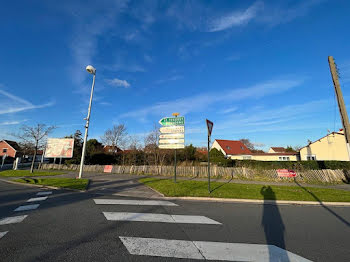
x,y
108,169
286,173
210,127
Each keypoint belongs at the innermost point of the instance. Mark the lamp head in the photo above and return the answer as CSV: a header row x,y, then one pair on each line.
x,y
91,69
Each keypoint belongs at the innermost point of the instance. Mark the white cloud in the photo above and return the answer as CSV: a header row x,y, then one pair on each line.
x,y
7,123
229,110
90,21
169,79
118,82
236,18
201,102
148,58
13,104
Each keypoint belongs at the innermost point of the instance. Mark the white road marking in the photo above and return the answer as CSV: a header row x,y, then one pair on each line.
x,y
208,250
44,193
12,220
161,247
133,202
27,207
3,234
34,199
164,218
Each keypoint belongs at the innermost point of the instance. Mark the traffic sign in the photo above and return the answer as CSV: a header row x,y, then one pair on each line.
x,y
171,146
172,129
171,141
210,127
172,121
179,135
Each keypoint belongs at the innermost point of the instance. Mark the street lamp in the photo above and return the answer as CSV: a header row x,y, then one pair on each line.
x,y
92,71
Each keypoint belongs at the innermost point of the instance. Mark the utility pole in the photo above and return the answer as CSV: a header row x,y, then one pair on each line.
x,y
341,104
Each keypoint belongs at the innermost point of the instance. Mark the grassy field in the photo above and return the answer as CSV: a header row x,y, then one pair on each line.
x,y
71,183
245,191
15,173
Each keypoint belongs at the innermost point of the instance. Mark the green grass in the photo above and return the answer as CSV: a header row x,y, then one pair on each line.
x,y
71,183
14,173
193,188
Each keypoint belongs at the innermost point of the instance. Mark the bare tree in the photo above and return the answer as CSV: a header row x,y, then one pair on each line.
x,y
151,145
35,136
115,136
247,143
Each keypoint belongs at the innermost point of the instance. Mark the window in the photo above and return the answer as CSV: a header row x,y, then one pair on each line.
x,y
247,157
283,158
242,147
4,150
228,147
310,157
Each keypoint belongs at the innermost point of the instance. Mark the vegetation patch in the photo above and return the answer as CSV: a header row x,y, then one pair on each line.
x,y
20,173
191,188
71,183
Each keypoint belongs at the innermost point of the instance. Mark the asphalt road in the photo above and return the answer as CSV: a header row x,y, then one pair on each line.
x,y
69,226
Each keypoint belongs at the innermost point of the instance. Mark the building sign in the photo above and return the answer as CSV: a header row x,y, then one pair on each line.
x,y
286,173
59,148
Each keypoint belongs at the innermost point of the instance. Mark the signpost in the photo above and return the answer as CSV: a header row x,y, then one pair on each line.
x,y
172,135
172,130
210,129
172,121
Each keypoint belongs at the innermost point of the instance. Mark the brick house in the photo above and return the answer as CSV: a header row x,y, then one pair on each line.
x,y
9,148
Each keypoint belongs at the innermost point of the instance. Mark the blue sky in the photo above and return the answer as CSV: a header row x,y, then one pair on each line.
x,y
257,69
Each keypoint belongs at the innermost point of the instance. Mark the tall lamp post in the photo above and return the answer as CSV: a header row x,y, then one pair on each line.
x,y
92,71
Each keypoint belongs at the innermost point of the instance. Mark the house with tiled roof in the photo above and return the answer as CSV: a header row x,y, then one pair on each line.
x,y
330,147
232,149
9,148
237,150
274,149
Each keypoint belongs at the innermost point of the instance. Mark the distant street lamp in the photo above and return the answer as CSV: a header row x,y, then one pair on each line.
x,y
92,71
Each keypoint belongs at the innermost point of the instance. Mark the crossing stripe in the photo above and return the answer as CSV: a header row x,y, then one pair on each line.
x,y
3,234
133,202
27,207
208,250
163,218
44,193
12,220
34,199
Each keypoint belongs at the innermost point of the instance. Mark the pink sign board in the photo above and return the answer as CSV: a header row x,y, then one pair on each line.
x,y
286,173
108,169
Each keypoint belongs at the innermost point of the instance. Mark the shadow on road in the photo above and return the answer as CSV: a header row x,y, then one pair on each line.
x,y
325,207
273,225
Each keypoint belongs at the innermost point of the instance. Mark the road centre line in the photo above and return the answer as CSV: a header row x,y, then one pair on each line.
x,y
208,250
12,220
162,218
133,202
34,199
27,207
44,193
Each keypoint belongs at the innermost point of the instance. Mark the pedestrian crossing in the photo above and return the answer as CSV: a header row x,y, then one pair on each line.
x,y
3,234
27,207
40,196
160,218
133,202
188,249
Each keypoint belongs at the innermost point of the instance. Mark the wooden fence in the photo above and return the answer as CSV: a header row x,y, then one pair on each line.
x,y
324,175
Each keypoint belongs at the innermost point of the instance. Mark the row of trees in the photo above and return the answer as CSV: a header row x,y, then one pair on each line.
x,y
125,149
